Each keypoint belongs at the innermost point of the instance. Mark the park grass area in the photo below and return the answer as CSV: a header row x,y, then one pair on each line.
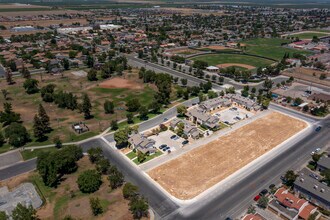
x,y
66,198
28,154
270,48
189,175
62,119
309,35
216,59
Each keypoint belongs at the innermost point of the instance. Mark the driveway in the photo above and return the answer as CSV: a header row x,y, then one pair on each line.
x,y
165,138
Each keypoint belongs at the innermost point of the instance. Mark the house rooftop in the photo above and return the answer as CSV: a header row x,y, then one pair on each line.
x,y
324,162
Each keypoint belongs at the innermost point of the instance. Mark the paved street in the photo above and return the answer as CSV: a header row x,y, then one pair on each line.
x,y
17,169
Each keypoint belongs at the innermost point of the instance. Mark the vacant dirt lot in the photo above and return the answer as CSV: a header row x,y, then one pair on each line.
x,y
121,83
189,175
308,75
43,23
225,65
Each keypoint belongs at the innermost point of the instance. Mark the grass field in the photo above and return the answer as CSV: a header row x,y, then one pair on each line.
x,y
309,35
215,59
270,47
29,154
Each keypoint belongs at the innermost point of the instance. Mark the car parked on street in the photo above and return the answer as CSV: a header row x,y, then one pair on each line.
x,y
256,198
162,146
173,137
263,192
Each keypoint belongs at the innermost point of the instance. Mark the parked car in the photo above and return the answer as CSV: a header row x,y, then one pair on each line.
x,y
263,192
185,142
173,136
271,186
165,119
256,198
164,149
314,176
162,146
317,150
318,128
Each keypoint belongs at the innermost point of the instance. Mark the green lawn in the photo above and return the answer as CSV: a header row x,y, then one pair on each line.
x,y
309,35
270,47
157,154
215,59
131,155
29,154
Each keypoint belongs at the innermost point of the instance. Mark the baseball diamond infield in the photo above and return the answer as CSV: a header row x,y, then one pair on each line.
x,y
194,172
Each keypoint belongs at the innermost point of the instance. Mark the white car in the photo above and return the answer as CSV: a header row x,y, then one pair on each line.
x,y
317,150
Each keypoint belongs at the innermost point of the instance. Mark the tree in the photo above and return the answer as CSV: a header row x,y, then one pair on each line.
x,y
103,165
141,156
114,125
182,110
116,178
57,141
38,130
143,111
133,105
25,73
121,137
109,107
66,64
130,191
44,118
316,157
268,84
89,181
24,213
86,106
9,77
7,116
16,134
290,177
5,94
92,75
3,215
139,207
184,81
95,154
263,202
31,86
326,174
130,117
2,139
96,206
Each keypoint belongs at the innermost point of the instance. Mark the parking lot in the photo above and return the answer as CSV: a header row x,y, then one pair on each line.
x,y
165,138
233,115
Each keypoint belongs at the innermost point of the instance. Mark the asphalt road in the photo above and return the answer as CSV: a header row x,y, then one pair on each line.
x,y
17,169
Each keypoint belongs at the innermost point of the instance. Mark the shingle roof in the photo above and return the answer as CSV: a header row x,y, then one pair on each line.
x,y
324,162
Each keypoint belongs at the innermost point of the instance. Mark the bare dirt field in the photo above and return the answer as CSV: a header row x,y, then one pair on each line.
x,y
45,12
218,47
308,75
121,83
43,23
225,65
196,171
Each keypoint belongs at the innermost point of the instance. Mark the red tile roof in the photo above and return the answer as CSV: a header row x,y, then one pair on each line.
x,y
252,217
289,200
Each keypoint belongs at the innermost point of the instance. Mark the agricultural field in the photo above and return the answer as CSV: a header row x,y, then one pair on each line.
x,y
67,199
270,47
185,178
118,90
216,59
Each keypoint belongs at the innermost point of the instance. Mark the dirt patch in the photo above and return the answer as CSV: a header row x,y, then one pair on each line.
x,y
225,65
309,75
218,47
15,181
185,178
121,83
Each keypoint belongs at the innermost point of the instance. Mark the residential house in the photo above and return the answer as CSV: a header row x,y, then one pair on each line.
x,y
288,206
142,144
245,102
189,128
312,189
323,163
216,103
198,116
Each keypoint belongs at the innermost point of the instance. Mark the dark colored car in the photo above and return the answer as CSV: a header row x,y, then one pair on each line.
x,y
263,192
318,128
173,136
185,142
162,146
271,186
